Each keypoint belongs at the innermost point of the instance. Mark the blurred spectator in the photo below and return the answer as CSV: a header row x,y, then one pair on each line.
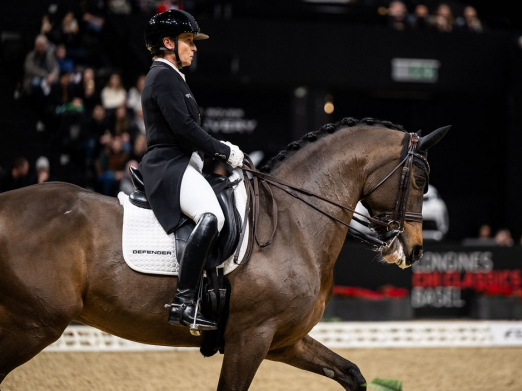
x,y
120,7
113,94
126,183
470,21
86,90
94,15
67,33
484,238
444,18
503,238
92,128
17,177
65,64
139,148
46,27
170,5
397,13
420,20
62,92
111,165
134,97
121,122
41,68
484,232
42,171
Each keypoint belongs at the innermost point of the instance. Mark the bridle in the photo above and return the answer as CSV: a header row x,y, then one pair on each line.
x,y
391,220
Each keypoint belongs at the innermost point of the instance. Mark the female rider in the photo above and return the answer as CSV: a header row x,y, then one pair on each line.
x,y
171,168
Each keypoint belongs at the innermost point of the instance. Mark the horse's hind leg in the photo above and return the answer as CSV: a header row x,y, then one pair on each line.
x,y
22,337
33,318
310,355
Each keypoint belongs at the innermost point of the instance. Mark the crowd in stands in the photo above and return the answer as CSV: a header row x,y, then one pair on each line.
x,y
94,123
441,19
501,238
102,123
94,119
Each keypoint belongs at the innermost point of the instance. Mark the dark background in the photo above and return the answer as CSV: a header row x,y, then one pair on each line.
x,y
261,52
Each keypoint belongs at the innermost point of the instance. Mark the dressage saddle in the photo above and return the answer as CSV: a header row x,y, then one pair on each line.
x,y
229,236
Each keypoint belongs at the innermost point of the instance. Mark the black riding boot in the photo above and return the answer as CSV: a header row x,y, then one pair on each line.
x,y
191,266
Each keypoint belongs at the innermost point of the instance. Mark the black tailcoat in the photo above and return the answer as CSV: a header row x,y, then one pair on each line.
x,y
172,123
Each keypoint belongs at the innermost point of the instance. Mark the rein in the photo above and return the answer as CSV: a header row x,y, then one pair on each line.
x,y
392,220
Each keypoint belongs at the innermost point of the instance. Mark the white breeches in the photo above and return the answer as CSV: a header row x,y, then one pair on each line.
x,y
196,196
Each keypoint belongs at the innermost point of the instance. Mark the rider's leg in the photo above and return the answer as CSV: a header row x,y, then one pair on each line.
x,y
199,202
197,197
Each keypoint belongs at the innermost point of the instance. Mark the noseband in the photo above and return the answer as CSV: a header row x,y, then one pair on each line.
x,y
391,220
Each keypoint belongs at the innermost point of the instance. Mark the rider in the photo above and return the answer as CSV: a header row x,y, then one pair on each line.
x,y
172,166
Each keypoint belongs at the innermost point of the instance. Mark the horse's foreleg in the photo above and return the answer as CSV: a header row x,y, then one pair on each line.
x,y
310,355
243,355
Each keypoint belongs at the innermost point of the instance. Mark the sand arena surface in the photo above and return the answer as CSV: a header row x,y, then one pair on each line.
x,y
459,369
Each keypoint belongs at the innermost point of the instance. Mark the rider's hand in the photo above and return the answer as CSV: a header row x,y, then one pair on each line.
x,y
236,156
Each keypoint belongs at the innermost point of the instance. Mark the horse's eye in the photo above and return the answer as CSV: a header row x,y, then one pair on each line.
x,y
420,182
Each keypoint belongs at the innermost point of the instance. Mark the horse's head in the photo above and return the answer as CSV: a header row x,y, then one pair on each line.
x,y
396,200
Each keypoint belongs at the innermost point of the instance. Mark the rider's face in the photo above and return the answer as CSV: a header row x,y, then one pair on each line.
x,y
186,48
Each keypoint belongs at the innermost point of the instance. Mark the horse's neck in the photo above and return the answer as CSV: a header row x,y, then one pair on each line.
x,y
333,170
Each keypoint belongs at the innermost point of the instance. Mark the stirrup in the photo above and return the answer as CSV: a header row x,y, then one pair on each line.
x,y
194,328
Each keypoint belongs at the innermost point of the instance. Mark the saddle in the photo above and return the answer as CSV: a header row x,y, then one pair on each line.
x,y
229,236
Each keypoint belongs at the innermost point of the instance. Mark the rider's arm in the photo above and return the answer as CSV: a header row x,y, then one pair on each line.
x,y
171,101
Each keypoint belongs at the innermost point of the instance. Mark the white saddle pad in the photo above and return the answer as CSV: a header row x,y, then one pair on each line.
x,y
148,249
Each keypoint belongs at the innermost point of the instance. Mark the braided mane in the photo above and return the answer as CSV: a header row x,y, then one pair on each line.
x,y
324,131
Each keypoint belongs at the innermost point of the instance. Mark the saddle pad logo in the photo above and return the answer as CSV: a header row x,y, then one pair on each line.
x,y
151,252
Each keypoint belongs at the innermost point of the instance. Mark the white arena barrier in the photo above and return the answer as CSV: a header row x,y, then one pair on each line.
x,y
412,334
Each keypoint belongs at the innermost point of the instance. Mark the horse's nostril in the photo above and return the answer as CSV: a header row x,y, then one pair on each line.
x,y
417,252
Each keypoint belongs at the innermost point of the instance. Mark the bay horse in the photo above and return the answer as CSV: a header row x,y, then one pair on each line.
x,y
61,260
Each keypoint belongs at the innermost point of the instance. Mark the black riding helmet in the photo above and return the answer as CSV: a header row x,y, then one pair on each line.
x,y
170,23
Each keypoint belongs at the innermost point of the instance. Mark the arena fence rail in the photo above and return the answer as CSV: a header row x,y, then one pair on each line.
x,y
338,335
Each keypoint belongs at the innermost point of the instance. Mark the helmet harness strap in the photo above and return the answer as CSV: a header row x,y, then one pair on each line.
x,y
180,66
175,51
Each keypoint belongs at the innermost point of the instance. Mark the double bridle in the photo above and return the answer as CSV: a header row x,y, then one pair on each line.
x,y
391,220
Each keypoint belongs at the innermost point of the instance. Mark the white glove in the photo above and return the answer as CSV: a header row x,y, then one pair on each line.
x,y
236,156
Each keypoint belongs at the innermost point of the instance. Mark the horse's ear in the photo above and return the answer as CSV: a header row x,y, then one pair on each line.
x,y
419,133
433,138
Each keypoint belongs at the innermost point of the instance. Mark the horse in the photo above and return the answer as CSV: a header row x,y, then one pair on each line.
x,y
61,260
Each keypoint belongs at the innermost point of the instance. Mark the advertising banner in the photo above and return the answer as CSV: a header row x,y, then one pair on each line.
x,y
506,333
449,281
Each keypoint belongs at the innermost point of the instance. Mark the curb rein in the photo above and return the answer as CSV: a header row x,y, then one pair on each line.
x,y
392,220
